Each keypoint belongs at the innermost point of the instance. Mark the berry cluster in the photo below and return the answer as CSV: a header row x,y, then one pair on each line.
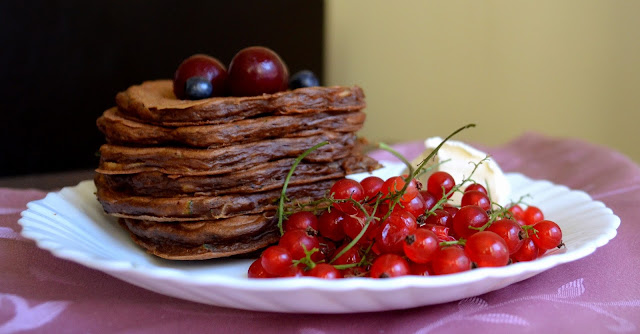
x,y
253,71
386,228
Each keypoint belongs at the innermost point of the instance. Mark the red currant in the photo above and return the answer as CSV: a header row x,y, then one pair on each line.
x,y
476,187
276,260
421,245
327,247
416,206
204,66
345,189
391,234
467,217
354,224
510,231
395,184
475,197
351,256
532,215
487,249
451,209
440,184
257,271
294,271
325,271
303,220
450,260
527,252
541,252
439,217
389,265
296,241
371,186
548,235
429,200
420,269
516,211
330,225
257,70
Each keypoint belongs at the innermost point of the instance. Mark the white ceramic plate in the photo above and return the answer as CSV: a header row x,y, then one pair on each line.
x,y
72,225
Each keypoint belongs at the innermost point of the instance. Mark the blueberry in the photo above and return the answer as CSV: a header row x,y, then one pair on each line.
x,y
303,78
197,88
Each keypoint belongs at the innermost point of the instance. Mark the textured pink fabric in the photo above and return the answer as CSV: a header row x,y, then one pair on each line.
x,y
600,293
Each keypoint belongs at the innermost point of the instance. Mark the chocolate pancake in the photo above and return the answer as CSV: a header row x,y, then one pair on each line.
x,y
203,240
154,102
191,208
204,231
262,177
116,159
124,131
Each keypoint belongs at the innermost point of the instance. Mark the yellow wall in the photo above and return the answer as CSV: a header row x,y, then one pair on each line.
x,y
562,68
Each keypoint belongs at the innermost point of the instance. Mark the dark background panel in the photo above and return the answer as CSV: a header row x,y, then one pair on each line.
x,y
62,62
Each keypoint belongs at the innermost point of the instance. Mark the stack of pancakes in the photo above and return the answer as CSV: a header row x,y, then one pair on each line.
x,y
201,179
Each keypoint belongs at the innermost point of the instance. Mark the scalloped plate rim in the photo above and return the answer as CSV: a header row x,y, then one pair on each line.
x,y
119,267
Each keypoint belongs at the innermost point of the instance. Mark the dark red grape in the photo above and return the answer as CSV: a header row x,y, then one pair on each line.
x,y
257,70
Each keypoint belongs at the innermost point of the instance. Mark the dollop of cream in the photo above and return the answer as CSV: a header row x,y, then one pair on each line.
x,y
458,159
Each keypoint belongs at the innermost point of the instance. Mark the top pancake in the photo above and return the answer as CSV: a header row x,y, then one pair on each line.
x,y
154,102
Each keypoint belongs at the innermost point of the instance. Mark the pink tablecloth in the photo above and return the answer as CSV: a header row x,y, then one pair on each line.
x,y
600,293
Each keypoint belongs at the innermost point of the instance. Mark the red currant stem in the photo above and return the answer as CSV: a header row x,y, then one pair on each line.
x,y
473,171
399,156
345,266
395,198
377,198
351,265
364,256
423,171
393,201
483,227
435,151
521,200
529,228
460,242
314,206
369,219
486,186
283,197
503,212
306,260
438,205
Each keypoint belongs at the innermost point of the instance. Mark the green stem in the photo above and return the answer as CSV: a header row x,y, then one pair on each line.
x,y
397,155
283,197
435,151
395,199
369,218
460,242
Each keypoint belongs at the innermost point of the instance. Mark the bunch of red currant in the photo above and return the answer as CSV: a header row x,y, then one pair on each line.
x,y
253,71
386,228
